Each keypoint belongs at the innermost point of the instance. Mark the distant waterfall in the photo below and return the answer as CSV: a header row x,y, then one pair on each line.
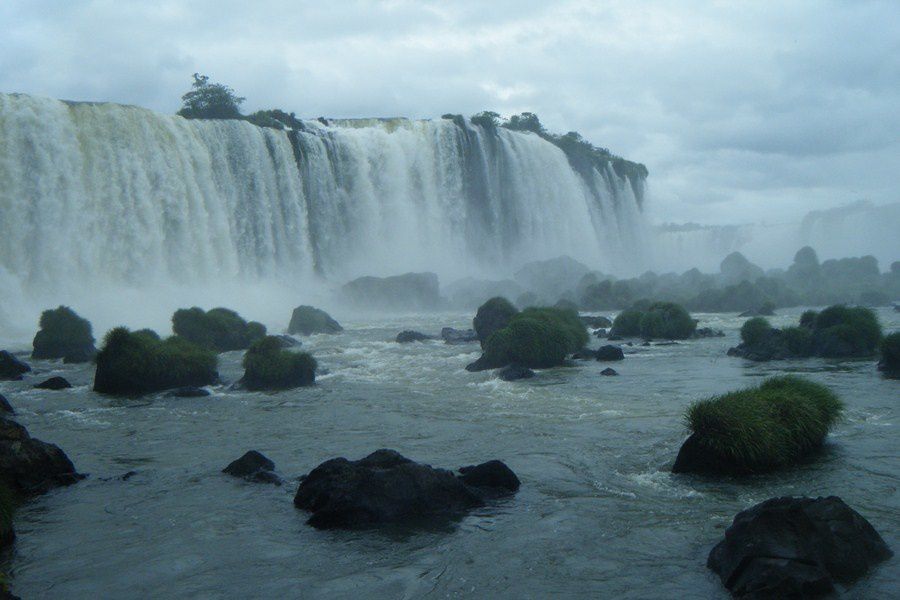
x,y
105,196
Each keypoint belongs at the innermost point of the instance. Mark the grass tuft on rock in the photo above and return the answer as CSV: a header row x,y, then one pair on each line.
x,y
268,366
63,334
219,329
140,362
654,320
766,427
537,338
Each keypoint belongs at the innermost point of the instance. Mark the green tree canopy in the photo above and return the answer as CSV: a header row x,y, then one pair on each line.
x,y
210,101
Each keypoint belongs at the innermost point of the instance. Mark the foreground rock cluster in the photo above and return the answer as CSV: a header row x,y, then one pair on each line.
x,y
386,487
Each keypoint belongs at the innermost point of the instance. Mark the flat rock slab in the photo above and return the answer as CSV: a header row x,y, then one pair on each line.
x,y
796,548
386,487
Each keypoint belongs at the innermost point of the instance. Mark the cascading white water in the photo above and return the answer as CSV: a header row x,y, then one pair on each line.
x,y
104,198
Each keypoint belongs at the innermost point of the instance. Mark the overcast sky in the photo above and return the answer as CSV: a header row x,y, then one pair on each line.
x,y
741,111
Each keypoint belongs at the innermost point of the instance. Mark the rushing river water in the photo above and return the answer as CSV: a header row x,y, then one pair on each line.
x,y
598,515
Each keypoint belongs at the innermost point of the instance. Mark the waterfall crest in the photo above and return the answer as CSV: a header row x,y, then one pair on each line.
x,y
102,196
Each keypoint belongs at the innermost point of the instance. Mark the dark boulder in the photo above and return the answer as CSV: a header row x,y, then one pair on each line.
x,y
514,372
11,367
585,354
482,364
708,332
493,474
386,487
609,372
188,391
30,466
796,548
307,320
493,315
5,406
405,337
610,352
458,336
54,383
596,322
255,467
601,333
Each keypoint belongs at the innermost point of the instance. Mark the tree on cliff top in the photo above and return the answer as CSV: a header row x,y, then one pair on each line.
x,y
210,101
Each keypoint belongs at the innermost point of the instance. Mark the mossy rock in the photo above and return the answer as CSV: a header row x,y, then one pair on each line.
x,y
307,320
890,354
64,334
758,429
268,366
654,320
219,329
537,338
492,316
140,362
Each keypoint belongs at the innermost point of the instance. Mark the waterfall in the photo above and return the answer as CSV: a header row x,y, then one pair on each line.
x,y
119,199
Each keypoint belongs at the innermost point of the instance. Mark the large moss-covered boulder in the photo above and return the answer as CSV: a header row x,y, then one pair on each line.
x,y
410,291
11,367
140,362
654,320
836,332
796,548
63,334
492,316
268,366
218,329
386,487
29,466
307,320
536,338
758,429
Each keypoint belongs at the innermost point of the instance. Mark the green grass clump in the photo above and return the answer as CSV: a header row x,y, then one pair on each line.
x,y
219,329
140,362
627,323
64,334
798,340
268,366
660,320
493,315
890,353
808,318
840,331
755,331
537,338
766,427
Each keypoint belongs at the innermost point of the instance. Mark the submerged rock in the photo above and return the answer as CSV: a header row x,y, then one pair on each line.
x,y
188,391
609,372
307,320
610,352
54,383
514,372
386,487
29,465
11,367
708,332
288,341
458,336
585,354
405,337
796,548
255,467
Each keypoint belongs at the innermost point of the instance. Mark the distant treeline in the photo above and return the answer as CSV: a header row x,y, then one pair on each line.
x,y
742,286
208,100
